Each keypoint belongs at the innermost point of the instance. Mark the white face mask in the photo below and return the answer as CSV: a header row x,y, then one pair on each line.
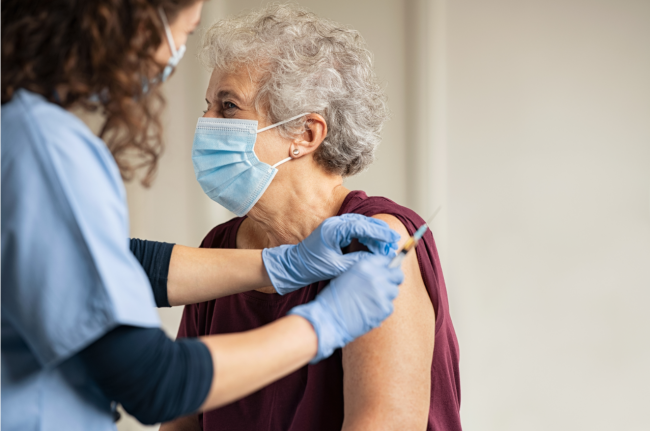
x,y
176,54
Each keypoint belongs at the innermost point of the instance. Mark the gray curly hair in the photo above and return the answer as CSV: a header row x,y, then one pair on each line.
x,y
306,64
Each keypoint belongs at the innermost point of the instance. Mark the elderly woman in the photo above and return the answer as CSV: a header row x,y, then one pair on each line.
x,y
276,64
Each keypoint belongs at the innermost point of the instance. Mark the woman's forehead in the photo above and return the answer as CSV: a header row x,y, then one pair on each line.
x,y
238,82
189,17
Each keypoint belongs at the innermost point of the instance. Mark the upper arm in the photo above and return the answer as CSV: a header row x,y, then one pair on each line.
x,y
387,372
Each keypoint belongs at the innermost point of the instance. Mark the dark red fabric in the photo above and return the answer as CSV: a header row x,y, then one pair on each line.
x,y
312,397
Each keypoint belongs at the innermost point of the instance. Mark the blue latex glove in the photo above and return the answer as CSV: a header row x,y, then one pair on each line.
x,y
319,256
353,304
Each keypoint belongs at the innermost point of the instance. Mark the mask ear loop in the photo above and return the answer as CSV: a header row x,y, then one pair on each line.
x,y
282,122
280,162
279,124
168,32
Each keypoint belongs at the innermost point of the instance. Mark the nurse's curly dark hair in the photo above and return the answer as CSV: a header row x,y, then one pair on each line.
x,y
99,52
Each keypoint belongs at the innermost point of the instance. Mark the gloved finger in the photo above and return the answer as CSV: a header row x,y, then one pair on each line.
x,y
366,231
361,217
379,260
352,216
392,292
395,275
379,247
345,235
387,309
347,219
348,260
374,264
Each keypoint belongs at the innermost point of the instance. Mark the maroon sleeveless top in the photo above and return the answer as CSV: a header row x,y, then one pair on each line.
x,y
312,397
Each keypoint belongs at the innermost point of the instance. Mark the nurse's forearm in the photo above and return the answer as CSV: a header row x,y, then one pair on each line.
x,y
247,361
201,274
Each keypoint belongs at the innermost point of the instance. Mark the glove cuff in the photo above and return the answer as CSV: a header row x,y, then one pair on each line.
x,y
275,261
327,330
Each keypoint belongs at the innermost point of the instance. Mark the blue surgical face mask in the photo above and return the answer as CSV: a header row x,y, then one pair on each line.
x,y
225,163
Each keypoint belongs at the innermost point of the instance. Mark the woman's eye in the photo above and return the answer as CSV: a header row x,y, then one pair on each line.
x,y
229,105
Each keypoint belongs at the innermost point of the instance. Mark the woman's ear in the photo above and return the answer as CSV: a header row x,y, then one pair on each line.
x,y
314,134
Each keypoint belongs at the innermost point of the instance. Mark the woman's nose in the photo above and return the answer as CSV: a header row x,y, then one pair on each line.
x,y
211,114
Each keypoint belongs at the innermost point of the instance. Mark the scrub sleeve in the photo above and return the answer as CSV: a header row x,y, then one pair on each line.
x,y
68,276
154,257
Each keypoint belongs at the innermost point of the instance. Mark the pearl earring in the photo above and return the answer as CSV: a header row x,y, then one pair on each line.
x,y
296,152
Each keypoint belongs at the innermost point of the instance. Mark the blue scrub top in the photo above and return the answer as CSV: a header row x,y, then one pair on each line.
x,y
68,276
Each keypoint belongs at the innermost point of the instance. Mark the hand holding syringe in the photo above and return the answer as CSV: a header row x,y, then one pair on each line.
x,y
412,242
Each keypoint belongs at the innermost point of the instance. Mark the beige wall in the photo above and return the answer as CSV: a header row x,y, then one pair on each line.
x,y
530,122
549,233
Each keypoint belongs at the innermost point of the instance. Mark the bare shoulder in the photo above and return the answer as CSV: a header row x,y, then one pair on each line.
x,y
413,292
410,266
395,224
387,371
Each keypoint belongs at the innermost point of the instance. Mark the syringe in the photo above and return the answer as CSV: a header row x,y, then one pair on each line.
x,y
412,242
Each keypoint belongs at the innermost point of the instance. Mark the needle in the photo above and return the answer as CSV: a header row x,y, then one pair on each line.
x,y
412,242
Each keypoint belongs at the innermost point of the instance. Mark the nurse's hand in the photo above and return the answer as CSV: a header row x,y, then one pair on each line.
x,y
353,304
319,256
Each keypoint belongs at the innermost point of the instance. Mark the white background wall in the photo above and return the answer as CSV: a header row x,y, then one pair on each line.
x,y
530,122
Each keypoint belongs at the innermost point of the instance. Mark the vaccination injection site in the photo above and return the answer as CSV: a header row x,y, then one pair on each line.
x,y
243,215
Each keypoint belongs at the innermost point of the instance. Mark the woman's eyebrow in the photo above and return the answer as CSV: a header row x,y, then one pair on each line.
x,y
223,94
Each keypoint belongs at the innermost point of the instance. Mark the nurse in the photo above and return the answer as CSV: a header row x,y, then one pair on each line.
x,y
79,333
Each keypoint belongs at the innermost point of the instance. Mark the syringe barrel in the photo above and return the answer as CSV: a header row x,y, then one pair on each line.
x,y
397,260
